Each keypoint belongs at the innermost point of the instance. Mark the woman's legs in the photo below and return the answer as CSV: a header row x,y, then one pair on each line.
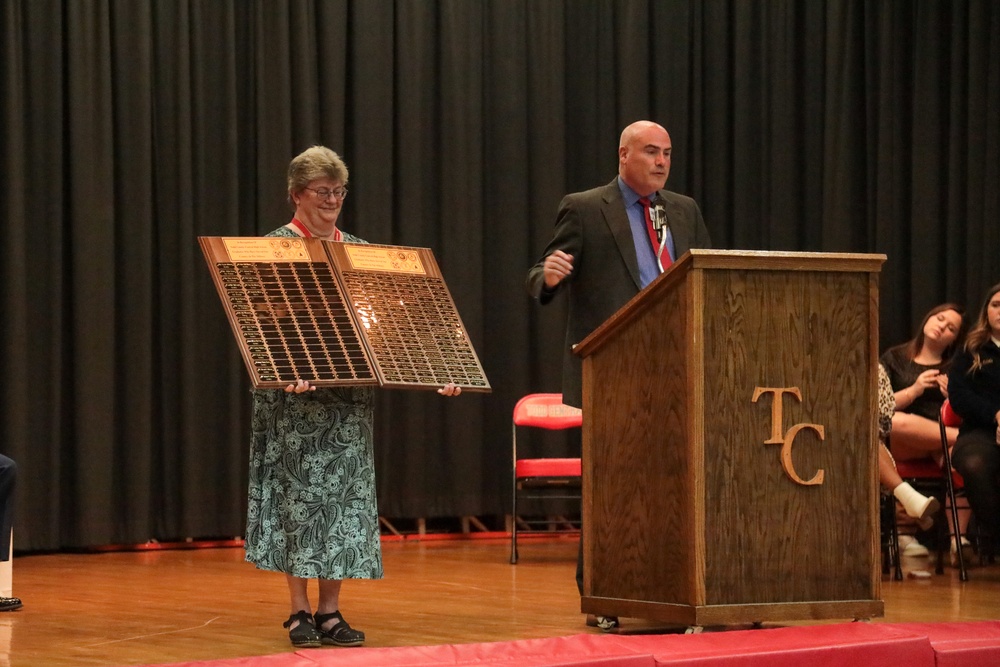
x,y
916,437
301,629
888,477
916,504
299,593
330,621
977,459
329,596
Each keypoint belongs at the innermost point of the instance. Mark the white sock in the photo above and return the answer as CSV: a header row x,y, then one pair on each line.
x,y
914,502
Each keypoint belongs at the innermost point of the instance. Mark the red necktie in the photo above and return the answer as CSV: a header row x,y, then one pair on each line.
x,y
665,257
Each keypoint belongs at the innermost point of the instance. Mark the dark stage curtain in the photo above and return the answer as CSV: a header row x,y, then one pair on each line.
x,y
130,128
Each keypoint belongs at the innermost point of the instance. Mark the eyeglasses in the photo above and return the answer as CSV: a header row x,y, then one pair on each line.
x,y
323,193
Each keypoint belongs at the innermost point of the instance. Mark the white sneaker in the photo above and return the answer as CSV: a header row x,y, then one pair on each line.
x,y
908,546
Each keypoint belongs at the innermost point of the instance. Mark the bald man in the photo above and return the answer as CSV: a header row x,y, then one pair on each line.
x,y
601,253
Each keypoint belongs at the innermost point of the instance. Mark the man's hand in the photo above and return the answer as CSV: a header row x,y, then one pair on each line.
x,y
556,267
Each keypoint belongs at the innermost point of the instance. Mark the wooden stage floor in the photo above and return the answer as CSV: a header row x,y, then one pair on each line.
x,y
135,608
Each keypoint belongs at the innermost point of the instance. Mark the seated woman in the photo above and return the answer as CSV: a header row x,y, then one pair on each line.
x,y
920,507
974,384
918,373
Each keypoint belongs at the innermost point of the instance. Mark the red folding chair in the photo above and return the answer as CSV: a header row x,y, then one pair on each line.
x,y
554,478
944,483
948,417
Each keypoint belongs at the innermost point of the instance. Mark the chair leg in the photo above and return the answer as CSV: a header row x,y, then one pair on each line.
x,y
894,548
949,486
941,534
513,527
513,493
886,537
889,516
963,573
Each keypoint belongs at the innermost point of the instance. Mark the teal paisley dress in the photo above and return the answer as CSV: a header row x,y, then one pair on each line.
x,y
312,511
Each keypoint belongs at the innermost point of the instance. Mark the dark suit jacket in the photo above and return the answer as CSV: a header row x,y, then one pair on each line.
x,y
593,227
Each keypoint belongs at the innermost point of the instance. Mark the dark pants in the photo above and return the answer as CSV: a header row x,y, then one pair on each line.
x,y
576,445
977,458
8,476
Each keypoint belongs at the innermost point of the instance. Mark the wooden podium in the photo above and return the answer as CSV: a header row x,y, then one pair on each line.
x,y
729,443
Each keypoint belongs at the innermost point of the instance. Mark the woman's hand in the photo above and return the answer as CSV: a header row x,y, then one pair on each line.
x,y
450,389
299,387
925,381
942,382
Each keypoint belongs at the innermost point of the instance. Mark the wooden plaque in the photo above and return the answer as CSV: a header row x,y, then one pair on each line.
x,y
341,314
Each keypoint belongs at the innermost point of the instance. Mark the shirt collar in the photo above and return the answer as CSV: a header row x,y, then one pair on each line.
x,y
629,195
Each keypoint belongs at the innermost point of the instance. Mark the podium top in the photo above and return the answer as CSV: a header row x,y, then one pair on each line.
x,y
770,260
728,260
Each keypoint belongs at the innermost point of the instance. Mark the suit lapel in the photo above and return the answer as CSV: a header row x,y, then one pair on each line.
x,y
617,220
680,230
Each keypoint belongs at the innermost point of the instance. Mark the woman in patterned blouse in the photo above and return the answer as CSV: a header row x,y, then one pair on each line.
x,y
312,511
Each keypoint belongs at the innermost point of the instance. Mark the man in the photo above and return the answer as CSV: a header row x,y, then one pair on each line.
x,y
603,251
8,475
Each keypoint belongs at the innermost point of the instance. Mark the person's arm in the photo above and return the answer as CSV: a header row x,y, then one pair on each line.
x,y
967,402
904,392
924,381
568,240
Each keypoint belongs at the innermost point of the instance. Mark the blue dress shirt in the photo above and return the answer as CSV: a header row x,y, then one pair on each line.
x,y
648,269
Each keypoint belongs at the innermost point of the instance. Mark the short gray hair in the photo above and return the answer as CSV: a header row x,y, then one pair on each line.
x,y
313,163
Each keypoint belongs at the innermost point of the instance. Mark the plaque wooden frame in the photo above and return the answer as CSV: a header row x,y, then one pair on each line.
x,y
341,314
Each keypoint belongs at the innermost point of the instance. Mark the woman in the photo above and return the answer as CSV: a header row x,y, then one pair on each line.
x,y
917,505
974,382
312,512
917,370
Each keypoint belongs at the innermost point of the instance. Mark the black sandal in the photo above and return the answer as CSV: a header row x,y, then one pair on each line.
x,y
341,634
305,634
